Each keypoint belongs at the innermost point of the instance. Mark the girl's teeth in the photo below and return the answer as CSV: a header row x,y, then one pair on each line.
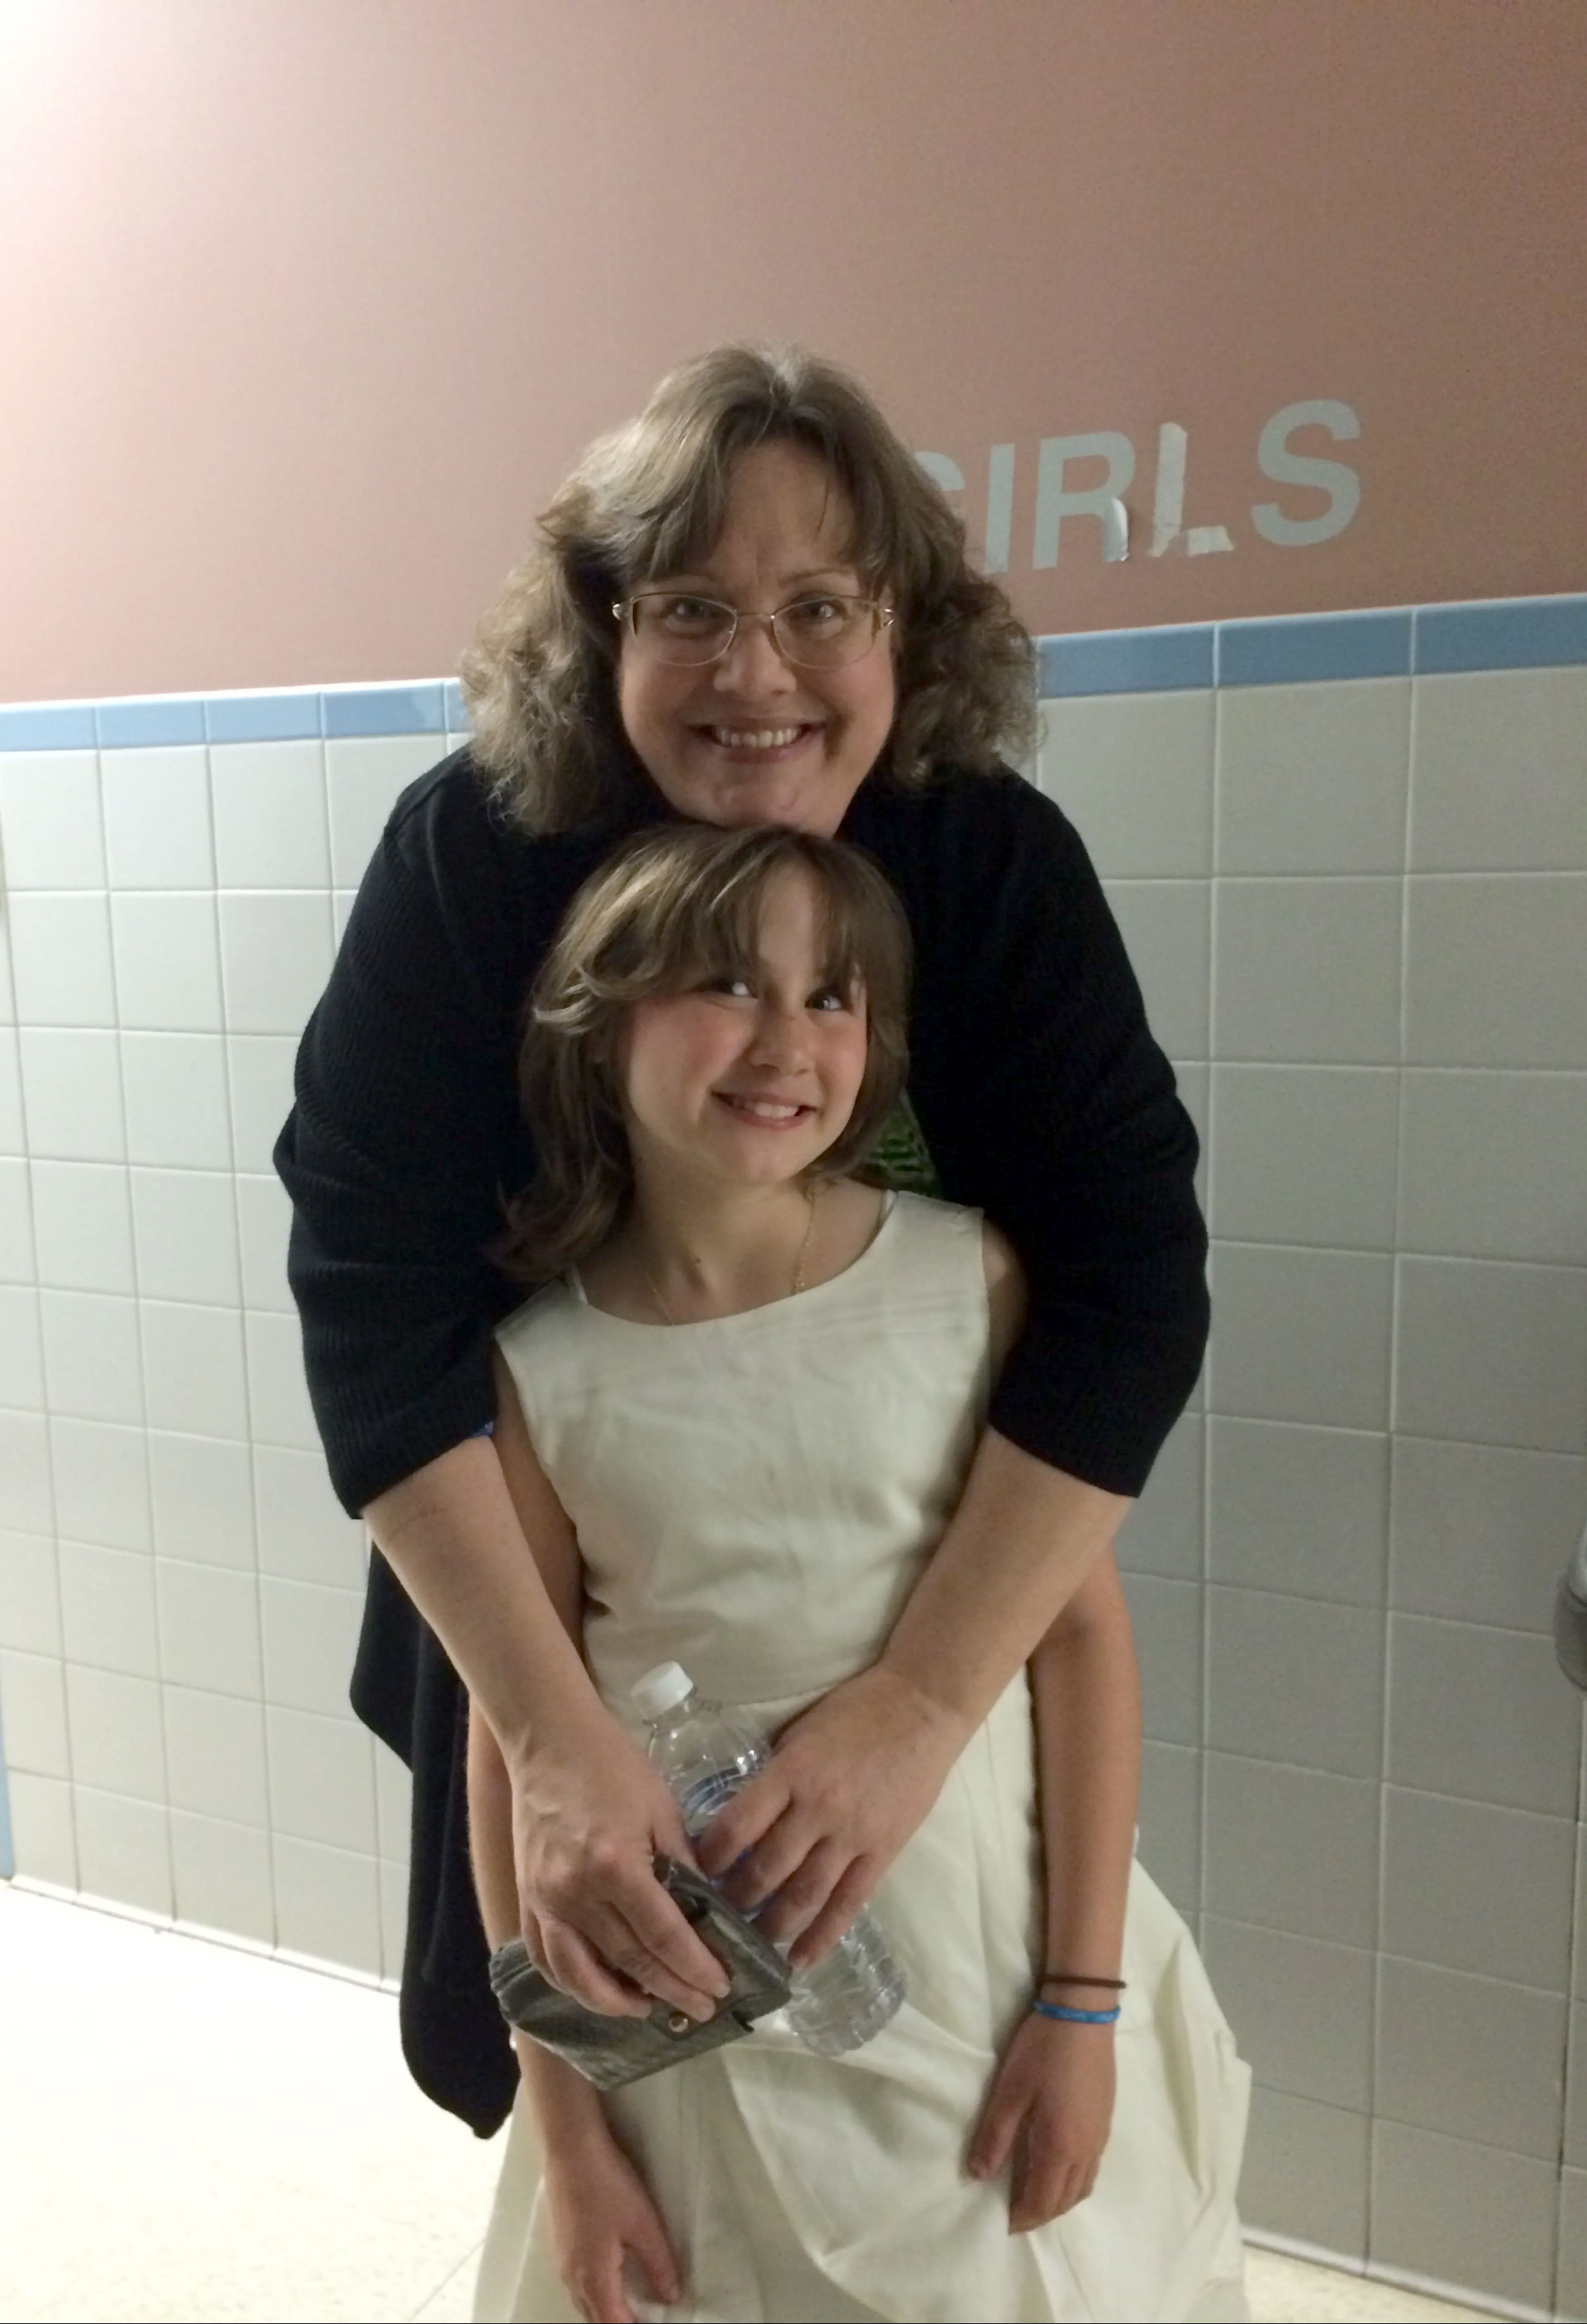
x,y
765,738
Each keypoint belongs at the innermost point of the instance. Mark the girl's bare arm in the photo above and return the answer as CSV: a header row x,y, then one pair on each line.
x,y
1087,1696
1050,2106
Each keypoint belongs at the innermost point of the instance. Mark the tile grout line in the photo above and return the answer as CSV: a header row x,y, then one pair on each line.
x,y
126,1141
70,1785
1386,1651
251,1440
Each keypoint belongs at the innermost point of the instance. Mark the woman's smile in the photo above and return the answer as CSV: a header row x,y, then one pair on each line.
x,y
757,746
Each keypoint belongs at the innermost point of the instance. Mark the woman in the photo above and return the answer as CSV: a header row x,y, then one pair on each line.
x,y
748,606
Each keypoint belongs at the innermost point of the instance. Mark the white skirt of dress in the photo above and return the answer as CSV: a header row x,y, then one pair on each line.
x,y
833,2189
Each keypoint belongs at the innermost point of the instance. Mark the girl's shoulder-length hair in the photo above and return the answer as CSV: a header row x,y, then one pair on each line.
x,y
675,909
649,499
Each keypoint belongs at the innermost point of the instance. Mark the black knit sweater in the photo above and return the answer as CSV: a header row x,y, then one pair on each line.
x,y
1041,1095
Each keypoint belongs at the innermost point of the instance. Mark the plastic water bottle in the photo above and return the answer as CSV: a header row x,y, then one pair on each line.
x,y
704,1756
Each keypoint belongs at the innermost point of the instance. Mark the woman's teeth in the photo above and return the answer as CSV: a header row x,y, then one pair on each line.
x,y
758,738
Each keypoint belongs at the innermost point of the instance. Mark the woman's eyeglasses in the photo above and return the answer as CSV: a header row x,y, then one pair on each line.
x,y
822,631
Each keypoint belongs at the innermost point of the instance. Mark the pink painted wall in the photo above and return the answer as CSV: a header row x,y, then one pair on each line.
x,y
311,302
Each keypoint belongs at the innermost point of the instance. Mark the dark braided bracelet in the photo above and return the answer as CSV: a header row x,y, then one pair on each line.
x,y
1065,1977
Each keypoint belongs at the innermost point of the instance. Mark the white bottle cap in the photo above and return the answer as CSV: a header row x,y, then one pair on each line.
x,y
662,1688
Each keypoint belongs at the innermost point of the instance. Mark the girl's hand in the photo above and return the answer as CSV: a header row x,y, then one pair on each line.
x,y
1049,2107
849,1781
602,2216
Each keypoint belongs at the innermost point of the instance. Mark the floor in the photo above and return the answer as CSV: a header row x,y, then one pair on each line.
x,y
193,2131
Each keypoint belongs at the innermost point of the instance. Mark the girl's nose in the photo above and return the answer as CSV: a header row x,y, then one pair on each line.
x,y
779,1038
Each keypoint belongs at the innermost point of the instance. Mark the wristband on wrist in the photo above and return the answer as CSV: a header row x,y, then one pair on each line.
x,y
1068,1976
1076,2017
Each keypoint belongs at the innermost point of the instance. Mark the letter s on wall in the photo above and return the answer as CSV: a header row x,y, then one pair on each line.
x,y
1275,459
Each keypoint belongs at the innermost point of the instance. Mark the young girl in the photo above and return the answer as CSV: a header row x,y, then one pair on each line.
x,y
735,1423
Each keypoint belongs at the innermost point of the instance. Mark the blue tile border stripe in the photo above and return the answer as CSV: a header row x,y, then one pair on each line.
x,y
1307,647
51,726
1127,661
1508,633
134,725
383,710
262,717
1520,634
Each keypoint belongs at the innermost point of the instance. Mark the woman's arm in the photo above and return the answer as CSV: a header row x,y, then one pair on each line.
x,y
482,1547
602,2213
852,1778
566,2108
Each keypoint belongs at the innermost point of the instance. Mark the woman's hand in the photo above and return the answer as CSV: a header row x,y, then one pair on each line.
x,y
1050,2108
602,2216
589,1811
851,1780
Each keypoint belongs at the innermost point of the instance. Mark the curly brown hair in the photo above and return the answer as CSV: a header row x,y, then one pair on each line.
x,y
649,499
671,908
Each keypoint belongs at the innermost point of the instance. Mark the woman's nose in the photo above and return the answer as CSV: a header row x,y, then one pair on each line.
x,y
752,667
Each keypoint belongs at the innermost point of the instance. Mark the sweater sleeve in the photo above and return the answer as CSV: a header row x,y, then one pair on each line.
x,y
1067,1129
397,1142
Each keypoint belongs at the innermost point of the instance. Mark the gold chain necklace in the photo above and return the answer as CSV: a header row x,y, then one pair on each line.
x,y
798,1270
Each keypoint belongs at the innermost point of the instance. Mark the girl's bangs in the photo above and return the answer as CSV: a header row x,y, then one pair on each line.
x,y
725,937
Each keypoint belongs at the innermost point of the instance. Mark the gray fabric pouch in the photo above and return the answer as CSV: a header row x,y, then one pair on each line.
x,y
610,2051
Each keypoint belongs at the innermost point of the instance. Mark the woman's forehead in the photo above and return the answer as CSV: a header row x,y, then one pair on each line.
x,y
787,520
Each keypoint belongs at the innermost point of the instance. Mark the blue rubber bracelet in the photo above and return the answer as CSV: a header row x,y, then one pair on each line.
x,y
1076,2017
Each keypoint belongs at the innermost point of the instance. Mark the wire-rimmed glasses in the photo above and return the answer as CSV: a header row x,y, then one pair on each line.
x,y
821,631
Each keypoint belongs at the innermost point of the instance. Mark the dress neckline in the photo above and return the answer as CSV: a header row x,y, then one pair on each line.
x,y
890,1205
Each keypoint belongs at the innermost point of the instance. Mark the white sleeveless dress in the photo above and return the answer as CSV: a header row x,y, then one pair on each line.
x,y
755,1497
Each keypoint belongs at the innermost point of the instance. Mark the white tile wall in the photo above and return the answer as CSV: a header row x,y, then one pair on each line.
x,y
101,1482
107,1608
60,959
12,1140
202,1489
16,1223
82,1227
1397,1418
186,1225
177,1109
167,971
71,1094
277,954
50,820
30,1597
157,819
22,1372
25,1492
270,818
